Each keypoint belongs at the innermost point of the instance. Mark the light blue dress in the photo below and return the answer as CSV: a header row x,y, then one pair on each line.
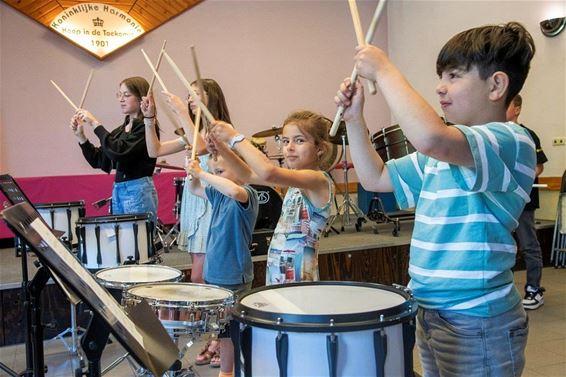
x,y
195,218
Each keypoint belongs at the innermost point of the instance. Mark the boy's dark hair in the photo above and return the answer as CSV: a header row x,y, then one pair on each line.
x,y
517,100
508,48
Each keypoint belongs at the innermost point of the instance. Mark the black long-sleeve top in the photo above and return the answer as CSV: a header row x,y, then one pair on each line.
x,y
124,151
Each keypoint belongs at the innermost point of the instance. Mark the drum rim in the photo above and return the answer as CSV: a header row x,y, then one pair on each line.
x,y
327,322
114,218
79,204
122,284
181,304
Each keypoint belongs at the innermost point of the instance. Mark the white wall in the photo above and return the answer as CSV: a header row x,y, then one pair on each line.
x,y
270,57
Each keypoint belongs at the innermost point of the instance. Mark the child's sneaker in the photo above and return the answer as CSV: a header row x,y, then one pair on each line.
x,y
533,298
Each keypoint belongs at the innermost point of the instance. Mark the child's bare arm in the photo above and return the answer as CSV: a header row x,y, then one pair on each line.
x,y
261,165
182,113
195,186
420,123
242,170
226,187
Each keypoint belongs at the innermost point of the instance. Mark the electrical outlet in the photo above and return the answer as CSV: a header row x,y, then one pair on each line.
x,y
559,141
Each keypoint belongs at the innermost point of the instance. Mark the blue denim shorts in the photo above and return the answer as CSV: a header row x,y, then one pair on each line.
x,y
135,196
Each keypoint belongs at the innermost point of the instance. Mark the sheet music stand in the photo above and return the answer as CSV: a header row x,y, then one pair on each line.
x,y
140,332
15,195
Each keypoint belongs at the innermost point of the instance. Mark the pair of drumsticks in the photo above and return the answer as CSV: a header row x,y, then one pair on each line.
x,y
84,92
362,42
201,106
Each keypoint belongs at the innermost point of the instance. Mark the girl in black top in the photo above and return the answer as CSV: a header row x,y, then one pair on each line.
x,y
123,149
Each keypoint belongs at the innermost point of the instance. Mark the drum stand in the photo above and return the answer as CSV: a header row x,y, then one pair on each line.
x,y
169,237
348,206
376,212
74,330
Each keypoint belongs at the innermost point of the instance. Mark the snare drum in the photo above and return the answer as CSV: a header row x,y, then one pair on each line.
x,y
185,308
109,241
123,277
118,279
325,329
391,143
63,216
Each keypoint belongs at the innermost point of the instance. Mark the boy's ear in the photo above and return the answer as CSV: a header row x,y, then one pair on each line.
x,y
498,85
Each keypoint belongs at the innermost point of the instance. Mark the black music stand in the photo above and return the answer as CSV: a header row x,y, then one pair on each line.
x,y
15,195
140,332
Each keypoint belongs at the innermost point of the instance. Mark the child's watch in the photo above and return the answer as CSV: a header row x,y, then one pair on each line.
x,y
235,140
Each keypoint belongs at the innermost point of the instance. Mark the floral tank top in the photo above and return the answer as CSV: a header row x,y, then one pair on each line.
x,y
293,252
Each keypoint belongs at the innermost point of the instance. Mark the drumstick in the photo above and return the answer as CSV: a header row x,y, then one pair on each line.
x,y
201,89
86,89
360,35
195,133
369,37
157,66
179,131
197,71
204,109
154,70
64,95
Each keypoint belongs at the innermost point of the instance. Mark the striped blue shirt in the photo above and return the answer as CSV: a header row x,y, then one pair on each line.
x,y
462,249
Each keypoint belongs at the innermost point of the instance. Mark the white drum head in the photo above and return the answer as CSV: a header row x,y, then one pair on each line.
x,y
322,299
181,292
137,274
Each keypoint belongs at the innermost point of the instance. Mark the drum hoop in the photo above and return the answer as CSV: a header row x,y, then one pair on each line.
x,y
79,204
122,284
183,304
327,322
114,218
404,141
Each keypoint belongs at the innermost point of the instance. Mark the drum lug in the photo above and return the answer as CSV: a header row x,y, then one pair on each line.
x,y
404,289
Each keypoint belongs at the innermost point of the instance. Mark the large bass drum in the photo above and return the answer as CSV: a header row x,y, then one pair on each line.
x,y
325,329
109,241
390,143
269,207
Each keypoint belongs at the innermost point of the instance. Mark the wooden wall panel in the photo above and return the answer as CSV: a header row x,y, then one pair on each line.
x,y
149,13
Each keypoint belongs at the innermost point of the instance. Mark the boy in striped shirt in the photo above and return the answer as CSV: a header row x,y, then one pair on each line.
x,y
468,183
